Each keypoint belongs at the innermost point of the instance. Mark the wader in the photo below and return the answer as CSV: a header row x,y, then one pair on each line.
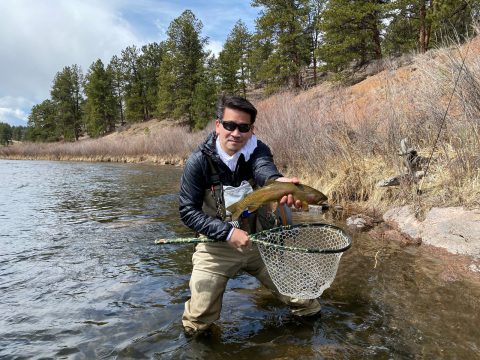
x,y
215,263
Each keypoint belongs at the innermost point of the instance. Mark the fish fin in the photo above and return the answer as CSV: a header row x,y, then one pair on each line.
x,y
236,214
304,206
272,206
269,182
236,209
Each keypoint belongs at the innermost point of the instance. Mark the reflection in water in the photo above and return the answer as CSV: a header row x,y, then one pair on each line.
x,y
81,277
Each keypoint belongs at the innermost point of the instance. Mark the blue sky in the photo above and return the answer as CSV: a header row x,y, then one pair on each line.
x,y
39,37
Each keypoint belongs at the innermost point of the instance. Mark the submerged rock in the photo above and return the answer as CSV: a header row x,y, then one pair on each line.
x,y
360,222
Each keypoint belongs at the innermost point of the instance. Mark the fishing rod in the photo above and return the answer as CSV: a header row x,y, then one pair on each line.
x,y
464,58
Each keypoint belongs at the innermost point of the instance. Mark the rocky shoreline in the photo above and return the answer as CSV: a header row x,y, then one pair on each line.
x,y
451,233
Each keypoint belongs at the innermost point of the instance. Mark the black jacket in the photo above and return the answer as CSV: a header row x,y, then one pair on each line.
x,y
196,180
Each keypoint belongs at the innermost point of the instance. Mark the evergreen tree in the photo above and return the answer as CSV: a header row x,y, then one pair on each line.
x,y
233,61
182,67
352,33
5,134
421,24
100,106
261,50
205,96
314,29
283,24
42,123
18,133
149,67
66,93
135,94
116,68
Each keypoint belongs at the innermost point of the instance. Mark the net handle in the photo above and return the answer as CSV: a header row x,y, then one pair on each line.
x,y
254,238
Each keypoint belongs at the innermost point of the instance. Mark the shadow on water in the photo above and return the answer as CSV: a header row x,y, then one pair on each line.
x,y
80,277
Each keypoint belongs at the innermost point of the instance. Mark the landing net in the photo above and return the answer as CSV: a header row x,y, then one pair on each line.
x,y
302,259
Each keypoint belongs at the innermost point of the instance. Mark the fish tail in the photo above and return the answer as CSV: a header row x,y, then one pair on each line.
x,y
237,209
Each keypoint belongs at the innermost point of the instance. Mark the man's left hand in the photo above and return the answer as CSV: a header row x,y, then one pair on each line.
x,y
288,199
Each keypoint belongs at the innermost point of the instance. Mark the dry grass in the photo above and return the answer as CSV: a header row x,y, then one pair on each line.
x,y
167,145
343,140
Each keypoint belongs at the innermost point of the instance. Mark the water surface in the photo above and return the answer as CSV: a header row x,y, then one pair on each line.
x,y
81,278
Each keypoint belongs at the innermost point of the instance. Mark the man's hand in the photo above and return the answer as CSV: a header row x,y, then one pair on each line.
x,y
288,199
239,239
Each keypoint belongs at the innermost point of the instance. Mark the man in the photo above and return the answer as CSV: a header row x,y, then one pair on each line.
x,y
223,167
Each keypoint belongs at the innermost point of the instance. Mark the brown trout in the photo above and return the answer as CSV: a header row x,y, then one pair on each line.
x,y
274,191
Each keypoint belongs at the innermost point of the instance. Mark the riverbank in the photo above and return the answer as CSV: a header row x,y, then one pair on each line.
x,y
343,140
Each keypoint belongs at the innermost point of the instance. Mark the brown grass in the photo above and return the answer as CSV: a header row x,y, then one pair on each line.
x,y
343,140
166,145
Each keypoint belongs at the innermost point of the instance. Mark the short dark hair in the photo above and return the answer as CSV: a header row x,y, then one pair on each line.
x,y
237,103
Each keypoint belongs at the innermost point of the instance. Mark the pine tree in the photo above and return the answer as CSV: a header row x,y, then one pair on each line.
x,y
18,132
261,49
182,67
42,123
314,30
149,67
233,61
205,96
351,33
5,134
283,24
100,106
66,94
135,95
117,69
421,24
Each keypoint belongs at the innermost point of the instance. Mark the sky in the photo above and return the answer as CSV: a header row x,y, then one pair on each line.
x,y
38,38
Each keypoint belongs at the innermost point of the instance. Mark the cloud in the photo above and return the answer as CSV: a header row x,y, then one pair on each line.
x,y
12,110
39,38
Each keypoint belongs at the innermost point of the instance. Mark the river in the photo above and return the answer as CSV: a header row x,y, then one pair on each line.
x,y
81,278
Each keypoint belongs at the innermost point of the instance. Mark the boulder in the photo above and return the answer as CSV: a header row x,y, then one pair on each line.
x,y
453,228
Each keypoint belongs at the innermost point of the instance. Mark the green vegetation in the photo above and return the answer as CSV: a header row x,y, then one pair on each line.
x,y
295,43
9,133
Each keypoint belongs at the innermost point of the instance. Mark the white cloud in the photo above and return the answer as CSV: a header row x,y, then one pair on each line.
x,y
12,110
39,38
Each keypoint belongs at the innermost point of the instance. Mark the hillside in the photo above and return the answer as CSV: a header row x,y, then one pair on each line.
x,y
343,139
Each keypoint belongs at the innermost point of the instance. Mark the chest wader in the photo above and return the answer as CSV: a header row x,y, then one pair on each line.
x,y
215,263
214,205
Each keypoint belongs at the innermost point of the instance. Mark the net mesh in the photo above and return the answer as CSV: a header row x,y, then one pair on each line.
x,y
300,274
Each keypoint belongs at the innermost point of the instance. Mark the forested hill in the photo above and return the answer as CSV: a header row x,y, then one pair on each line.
x,y
295,45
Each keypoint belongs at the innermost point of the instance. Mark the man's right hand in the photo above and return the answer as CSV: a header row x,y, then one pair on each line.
x,y
239,239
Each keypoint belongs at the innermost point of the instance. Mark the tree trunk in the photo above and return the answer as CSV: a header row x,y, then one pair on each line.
x,y
421,30
425,28
376,38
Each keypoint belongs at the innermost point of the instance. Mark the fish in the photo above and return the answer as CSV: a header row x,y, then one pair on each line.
x,y
274,191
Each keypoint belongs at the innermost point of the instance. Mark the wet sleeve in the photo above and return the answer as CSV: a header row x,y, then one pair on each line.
x,y
192,189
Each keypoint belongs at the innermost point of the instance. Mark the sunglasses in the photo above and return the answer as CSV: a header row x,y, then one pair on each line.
x,y
231,126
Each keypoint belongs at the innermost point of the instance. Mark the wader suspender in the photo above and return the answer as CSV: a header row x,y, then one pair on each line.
x,y
217,191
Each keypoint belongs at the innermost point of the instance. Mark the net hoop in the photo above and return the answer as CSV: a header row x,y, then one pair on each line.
x,y
259,238
302,260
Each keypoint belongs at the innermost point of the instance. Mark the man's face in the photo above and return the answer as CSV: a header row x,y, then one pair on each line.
x,y
233,141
